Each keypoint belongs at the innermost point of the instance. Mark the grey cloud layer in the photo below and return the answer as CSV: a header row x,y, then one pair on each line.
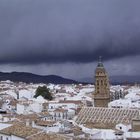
x,y
34,32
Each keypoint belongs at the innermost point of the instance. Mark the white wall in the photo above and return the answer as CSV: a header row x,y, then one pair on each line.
x,y
123,127
20,109
36,107
5,137
32,107
52,106
16,138
11,137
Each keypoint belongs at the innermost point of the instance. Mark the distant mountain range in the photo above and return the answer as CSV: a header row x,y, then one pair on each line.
x,y
33,78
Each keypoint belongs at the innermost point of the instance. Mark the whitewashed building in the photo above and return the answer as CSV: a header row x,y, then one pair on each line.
x,y
25,108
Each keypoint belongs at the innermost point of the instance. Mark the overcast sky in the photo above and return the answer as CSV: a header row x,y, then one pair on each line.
x,y
66,37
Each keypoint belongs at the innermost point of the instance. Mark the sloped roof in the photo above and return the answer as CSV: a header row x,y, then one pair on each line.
x,y
19,130
106,115
44,136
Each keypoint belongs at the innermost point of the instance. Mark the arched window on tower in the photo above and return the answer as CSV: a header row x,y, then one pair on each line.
x,y
97,83
101,82
105,83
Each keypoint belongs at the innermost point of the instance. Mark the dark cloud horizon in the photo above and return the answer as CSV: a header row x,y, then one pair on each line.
x,y
76,31
55,32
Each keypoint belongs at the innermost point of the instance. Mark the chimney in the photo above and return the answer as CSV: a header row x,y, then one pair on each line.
x,y
33,123
27,122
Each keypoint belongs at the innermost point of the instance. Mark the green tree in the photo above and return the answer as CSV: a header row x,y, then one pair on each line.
x,y
44,92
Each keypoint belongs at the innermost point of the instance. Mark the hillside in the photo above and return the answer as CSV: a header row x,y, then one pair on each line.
x,y
33,78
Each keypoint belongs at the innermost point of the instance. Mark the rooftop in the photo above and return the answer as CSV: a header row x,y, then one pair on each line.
x,y
19,130
44,136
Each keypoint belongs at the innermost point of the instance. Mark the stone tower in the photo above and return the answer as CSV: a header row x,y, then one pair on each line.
x,y
102,91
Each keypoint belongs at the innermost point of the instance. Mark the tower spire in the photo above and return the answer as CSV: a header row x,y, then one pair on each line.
x,y
100,58
100,64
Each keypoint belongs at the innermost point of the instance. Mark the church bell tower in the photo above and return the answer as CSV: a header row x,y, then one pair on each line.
x,y
102,91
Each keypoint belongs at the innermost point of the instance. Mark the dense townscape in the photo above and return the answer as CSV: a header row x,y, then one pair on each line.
x,y
24,117
69,111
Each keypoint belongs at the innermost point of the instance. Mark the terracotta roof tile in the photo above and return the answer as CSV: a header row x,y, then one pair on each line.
x,y
45,123
71,101
44,136
19,130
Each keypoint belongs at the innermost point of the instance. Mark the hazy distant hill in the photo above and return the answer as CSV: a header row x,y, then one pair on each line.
x,y
33,78
125,79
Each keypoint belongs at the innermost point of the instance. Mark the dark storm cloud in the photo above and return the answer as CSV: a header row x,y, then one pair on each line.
x,y
46,31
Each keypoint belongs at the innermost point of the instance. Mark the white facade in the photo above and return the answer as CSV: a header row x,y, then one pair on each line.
x,y
44,118
102,134
6,118
27,108
36,107
6,106
62,115
5,137
53,106
57,116
21,108
10,137
16,138
123,127
124,103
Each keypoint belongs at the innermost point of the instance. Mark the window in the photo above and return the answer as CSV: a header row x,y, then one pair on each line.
x,y
101,82
59,115
97,82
